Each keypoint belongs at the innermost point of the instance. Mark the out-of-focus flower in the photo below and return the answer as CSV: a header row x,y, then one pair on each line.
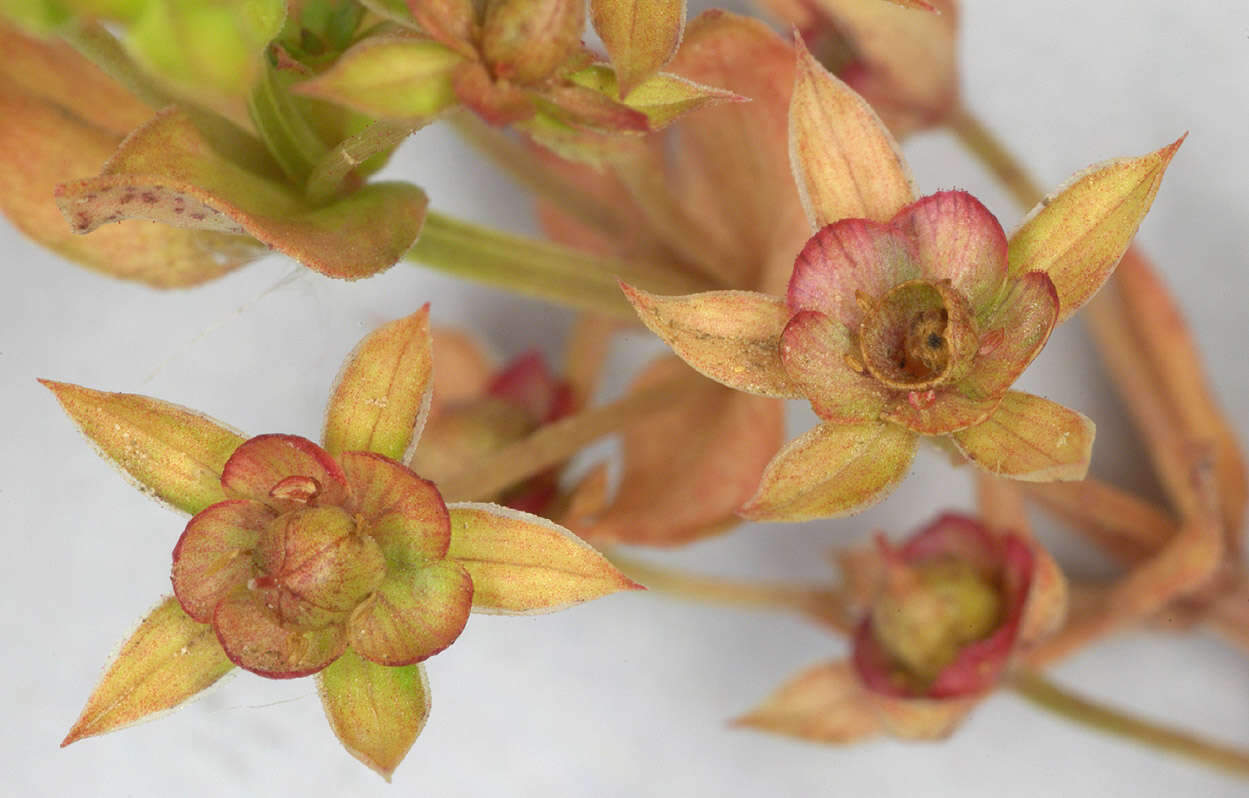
x,y
712,197
484,408
941,616
907,317
519,63
900,56
338,561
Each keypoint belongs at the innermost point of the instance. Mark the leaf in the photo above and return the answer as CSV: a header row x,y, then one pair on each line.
x,y
376,711
832,470
166,172
824,704
1031,439
845,162
689,466
168,659
640,36
382,393
174,454
61,117
1078,234
522,563
391,77
733,337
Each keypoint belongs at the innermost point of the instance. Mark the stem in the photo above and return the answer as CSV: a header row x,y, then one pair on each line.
x,y
1052,698
556,442
328,174
538,268
989,150
823,604
519,163
98,46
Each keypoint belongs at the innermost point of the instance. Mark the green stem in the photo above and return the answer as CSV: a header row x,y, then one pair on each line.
x,y
990,151
1052,698
519,162
99,47
823,604
554,443
285,131
538,268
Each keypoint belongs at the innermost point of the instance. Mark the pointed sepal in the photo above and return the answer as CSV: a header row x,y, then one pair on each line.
x,y
382,395
1031,439
640,36
168,659
171,453
376,711
522,563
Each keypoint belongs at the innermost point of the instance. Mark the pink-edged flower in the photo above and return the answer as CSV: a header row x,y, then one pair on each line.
x,y
942,614
905,316
313,553
332,559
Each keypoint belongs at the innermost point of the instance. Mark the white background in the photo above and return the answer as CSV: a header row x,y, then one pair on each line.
x,y
628,695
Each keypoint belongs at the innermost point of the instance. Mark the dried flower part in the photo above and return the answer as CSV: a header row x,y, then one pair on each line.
x,y
920,335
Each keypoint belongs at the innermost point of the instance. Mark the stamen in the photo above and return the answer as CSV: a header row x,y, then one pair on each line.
x,y
855,364
865,302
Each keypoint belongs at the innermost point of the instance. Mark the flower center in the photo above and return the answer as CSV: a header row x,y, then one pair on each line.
x,y
315,565
929,612
920,335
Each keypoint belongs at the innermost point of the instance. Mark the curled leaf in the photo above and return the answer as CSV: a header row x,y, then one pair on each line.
x,y
168,659
173,453
522,563
166,172
382,394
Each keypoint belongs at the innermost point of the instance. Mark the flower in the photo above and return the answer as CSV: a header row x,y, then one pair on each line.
x,y
899,55
907,317
335,560
942,615
314,553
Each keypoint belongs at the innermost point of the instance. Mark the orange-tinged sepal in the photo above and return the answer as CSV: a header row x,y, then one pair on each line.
x,y
733,337
522,563
846,163
376,711
1031,439
1078,234
382,393
167,660
174,454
